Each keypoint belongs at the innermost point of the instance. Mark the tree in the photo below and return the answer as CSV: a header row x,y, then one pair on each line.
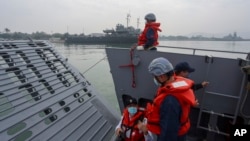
x,y
7,30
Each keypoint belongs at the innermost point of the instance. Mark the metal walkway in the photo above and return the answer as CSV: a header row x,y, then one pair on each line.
x,y
43,97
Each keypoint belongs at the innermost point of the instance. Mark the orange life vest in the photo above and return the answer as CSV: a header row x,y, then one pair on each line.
x,y
131,124
181,90
143,37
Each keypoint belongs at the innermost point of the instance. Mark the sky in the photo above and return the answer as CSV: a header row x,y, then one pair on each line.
x,y
177,17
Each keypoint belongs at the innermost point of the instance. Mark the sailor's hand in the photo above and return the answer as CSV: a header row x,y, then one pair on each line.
x,y
196,103
118,131
141,126
204,83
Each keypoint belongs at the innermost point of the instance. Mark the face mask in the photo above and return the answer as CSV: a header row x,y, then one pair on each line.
x,y
132,110
156,82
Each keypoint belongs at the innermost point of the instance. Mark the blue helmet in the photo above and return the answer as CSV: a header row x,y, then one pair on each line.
x,y
160,66
150,17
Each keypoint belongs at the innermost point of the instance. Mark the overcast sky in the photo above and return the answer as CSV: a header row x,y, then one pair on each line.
x,y
177,17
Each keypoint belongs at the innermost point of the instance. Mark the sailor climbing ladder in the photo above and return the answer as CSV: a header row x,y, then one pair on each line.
x,y
212,116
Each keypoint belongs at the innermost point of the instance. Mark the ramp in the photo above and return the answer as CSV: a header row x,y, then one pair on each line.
x,y
43,97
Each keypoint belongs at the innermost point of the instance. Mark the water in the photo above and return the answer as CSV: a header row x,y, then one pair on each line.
x,y
91,60
238,46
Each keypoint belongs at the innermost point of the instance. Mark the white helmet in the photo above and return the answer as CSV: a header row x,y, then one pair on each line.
x,y
150,17
160,66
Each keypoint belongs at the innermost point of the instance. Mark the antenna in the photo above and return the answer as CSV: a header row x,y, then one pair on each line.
x,y
138,22
128,18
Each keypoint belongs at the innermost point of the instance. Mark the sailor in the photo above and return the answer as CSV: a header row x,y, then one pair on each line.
x,y
149,37
127,129
183,69
168,115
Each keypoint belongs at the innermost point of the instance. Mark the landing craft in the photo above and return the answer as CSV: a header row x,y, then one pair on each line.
x,y
222,104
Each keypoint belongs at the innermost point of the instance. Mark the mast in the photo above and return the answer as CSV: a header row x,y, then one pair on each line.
x,y
138,22
128,18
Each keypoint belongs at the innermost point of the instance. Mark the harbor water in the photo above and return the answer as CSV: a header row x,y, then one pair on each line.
x,y
91,60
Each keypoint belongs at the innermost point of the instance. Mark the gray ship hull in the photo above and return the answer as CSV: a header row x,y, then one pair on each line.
x,y
223,102
102,40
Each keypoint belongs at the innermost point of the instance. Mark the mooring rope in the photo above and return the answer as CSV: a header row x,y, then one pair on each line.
x,y
95,64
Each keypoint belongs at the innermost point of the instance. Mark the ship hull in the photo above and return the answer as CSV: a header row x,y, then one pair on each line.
x,y
102,40
222,104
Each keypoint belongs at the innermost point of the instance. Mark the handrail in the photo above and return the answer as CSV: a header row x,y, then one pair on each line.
x,y
195,49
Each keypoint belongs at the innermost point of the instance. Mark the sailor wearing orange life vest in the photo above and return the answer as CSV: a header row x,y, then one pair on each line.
x,y
149,37
127,129
168,116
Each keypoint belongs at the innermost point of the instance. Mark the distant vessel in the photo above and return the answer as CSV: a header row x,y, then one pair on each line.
x,y
120,34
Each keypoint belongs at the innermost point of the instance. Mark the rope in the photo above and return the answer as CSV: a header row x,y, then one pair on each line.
x,y
94,64
131,65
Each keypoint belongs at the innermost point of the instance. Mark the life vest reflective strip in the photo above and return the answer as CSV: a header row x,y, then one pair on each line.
x,y
131,124
143,37
181,90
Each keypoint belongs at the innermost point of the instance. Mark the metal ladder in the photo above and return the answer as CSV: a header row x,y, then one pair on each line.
x,y
212,122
